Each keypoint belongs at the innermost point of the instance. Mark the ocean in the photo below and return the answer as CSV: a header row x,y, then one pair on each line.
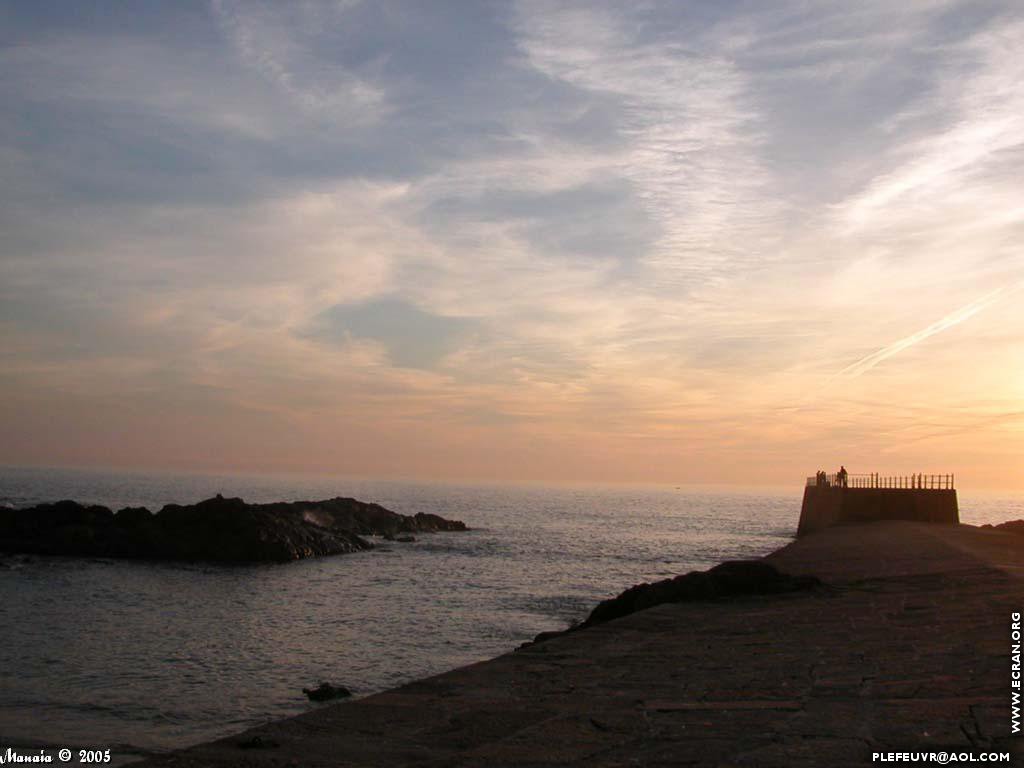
x,y
145,657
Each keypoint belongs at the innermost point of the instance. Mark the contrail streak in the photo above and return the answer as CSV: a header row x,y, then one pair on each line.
x,y
953,318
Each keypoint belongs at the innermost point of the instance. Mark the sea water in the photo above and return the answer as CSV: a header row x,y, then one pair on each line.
x,y
144,657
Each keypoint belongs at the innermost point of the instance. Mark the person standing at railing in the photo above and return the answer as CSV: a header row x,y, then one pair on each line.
x,y
841,476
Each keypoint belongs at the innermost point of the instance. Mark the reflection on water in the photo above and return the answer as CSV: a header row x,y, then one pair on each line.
x,y
149,656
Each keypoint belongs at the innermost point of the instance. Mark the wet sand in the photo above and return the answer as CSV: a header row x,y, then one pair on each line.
x,y
907,647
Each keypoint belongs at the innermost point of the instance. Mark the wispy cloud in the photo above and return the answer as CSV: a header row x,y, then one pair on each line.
x,y
280,42
954,318
958,135
691,129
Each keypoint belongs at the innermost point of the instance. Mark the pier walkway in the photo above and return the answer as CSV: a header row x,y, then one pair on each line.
x,y
906,649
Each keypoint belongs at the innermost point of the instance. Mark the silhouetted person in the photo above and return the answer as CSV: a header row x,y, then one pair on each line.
x,y
841,476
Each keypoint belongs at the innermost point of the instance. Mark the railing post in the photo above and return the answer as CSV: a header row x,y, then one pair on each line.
x,y
913,481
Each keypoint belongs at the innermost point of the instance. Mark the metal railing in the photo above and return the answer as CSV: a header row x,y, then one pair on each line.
x,y
875,480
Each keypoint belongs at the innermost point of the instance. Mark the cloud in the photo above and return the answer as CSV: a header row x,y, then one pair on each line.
x,y
632,232
954,318
692,130
282,43
414,338
599,218
962,131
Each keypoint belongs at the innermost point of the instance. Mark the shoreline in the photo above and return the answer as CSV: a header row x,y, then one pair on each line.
x,y
406,611
905,647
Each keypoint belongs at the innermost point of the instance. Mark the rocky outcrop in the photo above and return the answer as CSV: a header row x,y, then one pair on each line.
x,y
218,529
729,579
734,578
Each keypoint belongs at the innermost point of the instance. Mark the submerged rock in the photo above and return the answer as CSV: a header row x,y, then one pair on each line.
x,y
218,529
326,692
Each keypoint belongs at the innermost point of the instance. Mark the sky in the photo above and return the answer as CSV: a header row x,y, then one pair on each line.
x,y
701,242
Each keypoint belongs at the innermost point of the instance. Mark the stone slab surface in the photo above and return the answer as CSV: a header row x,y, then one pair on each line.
x,y
906,648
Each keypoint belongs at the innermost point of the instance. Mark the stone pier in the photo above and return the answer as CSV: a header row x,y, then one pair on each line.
x,y
907,647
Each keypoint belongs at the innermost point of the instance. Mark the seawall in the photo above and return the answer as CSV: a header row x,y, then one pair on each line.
x,y
907,647
826,505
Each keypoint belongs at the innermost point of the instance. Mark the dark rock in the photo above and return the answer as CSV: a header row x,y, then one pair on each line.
x,y
730,579
428,523
218,529
326,692
258,742
130,516
546,636
1010,526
